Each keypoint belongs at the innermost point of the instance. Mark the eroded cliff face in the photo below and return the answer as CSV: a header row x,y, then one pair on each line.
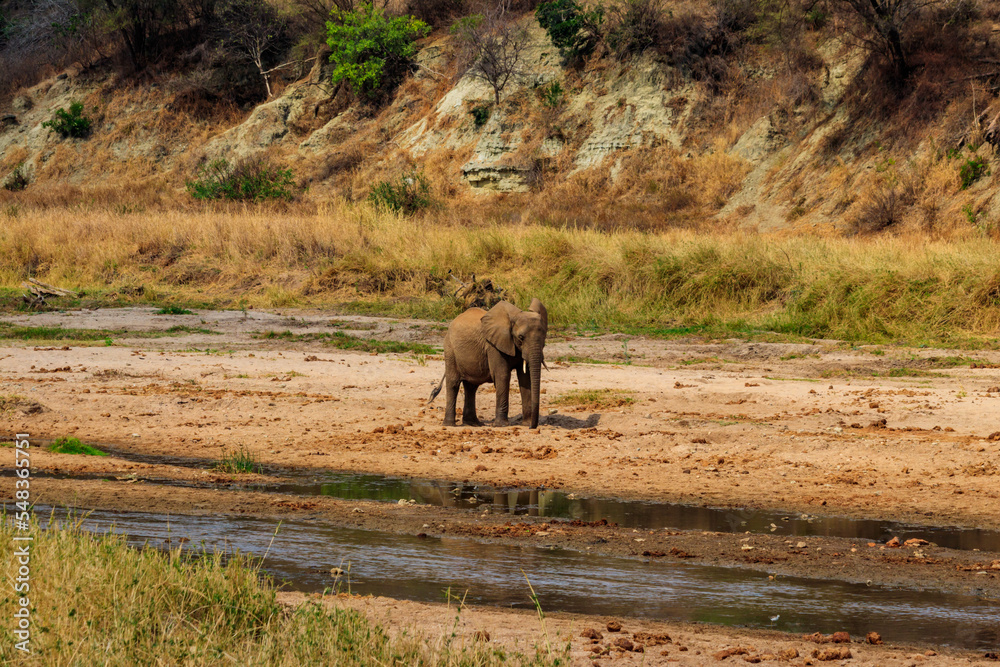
x,y
640,130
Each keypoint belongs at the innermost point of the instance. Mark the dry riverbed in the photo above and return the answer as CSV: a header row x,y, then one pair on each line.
x,y
822,429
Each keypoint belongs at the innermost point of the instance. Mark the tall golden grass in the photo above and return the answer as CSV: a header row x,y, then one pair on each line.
x,y
885,289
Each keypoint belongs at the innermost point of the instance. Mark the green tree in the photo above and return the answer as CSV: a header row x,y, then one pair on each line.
x,y
573,31
371,51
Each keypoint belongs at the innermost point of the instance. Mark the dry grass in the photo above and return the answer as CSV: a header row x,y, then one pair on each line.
x,y
596,399
94,600
884,289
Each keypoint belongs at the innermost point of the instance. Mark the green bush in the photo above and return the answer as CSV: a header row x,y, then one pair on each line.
x,y
480,114
250,179
70,123
407,195
371,52
573,31
972,170
552,94
17,180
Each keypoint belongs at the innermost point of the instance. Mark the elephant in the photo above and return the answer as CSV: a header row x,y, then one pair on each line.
x,y
484,346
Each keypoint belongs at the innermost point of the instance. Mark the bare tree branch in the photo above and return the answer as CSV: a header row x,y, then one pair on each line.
x,y
495,44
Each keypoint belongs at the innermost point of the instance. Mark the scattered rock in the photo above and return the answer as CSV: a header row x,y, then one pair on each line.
x,y
651,638
915,542
591,633
726,653
878,423
843,653
788,654
624,643
873,638
835,638
893,543
614,626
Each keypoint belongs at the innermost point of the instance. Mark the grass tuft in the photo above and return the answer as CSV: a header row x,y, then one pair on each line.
x,y
240,460
342,341
173,310
595,399
71,445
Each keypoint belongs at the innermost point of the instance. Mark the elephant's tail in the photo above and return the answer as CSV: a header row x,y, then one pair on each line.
x,y
437,390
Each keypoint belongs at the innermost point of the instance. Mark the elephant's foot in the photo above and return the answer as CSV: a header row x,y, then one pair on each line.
x,y
449,422
501,422
471,422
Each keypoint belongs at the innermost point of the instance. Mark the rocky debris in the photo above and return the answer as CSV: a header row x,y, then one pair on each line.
x,y
591,633
614,626
624,643
873,638
842,653
915,542
729,652
651,638
835,638
893,543
788,654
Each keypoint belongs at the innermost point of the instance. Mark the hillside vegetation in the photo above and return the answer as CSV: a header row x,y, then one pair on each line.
x,y
646,114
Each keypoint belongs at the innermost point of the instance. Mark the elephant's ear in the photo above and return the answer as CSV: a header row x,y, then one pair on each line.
x,y
496,327
537,307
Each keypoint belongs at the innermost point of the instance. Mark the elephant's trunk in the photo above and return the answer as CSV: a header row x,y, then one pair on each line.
x,y
535,376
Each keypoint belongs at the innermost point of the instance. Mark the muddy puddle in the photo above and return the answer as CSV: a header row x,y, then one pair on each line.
x,y
424,569
547,503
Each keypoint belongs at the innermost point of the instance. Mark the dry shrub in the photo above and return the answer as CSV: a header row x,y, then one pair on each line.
x,y
437,13
880,209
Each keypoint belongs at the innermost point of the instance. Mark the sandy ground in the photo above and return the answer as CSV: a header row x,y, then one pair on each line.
x,y
651,643
791,427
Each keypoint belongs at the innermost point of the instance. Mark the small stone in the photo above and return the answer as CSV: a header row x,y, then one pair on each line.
x,y
624,643
873,638
614,626
591,633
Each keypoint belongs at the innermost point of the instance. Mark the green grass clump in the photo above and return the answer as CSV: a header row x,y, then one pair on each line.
x,y
240,460
173,310
595,399
104,602
408,194
251,179
342,341
71,445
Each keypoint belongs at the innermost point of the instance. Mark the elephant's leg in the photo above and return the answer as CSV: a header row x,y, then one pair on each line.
x,y
469,417
524,382
451,387
502,381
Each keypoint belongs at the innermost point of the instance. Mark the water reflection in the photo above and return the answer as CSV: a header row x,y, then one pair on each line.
x,y
563,505
630,513
422,569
